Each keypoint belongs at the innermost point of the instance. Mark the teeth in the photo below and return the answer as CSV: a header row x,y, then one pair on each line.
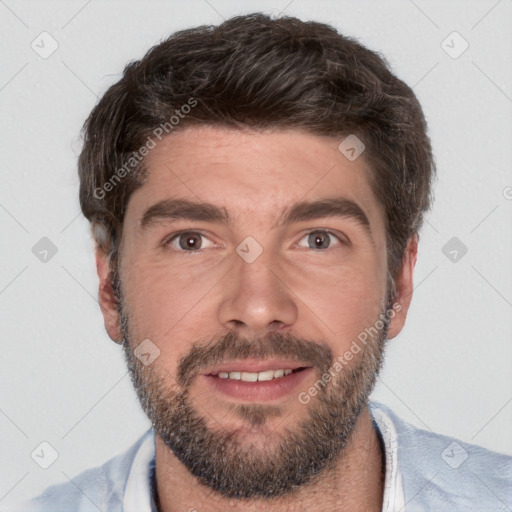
x,y
249,377
253,377
266,375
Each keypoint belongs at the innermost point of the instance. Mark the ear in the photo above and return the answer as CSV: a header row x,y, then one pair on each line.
x,y
107,298
404,288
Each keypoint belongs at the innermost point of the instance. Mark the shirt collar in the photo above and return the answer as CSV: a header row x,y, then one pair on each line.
x,y
138,496
393,498
141,483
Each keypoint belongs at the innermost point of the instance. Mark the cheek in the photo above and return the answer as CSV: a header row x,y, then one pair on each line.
x,y
163,299
346,298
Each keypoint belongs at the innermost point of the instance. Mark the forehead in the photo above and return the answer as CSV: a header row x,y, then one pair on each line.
x,y
253,175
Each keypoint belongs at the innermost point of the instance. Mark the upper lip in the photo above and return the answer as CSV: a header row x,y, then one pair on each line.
x,y
255,366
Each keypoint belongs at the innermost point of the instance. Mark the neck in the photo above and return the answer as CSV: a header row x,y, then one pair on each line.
x,y
355,482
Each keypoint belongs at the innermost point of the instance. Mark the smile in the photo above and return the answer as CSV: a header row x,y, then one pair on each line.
x,y
257,376
254,380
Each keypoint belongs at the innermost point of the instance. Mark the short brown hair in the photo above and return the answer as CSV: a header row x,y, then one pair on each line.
x,y
257,72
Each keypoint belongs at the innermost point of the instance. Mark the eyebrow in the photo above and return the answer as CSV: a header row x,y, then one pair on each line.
x,y
185,209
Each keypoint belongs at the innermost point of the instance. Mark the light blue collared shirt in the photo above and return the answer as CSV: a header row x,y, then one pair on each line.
x,y
425,472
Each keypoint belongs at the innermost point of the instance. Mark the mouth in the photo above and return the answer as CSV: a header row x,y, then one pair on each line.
x,y
264,375
257,381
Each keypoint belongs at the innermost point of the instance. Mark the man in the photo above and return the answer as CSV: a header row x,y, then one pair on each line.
x,y
256,192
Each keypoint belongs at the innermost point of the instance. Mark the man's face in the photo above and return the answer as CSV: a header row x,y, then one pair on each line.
x,y
257,291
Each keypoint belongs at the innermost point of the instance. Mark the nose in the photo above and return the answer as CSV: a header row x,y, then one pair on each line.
x,y
256,299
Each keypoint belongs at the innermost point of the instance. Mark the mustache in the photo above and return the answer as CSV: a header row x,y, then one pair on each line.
x,y
232,346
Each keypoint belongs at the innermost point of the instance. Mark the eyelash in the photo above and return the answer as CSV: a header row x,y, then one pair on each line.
x,y
342,240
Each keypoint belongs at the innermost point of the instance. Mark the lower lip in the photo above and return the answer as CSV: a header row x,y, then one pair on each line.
x,y
263,391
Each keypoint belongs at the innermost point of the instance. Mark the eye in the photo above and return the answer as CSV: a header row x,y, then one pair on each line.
x,y
188,241
320,239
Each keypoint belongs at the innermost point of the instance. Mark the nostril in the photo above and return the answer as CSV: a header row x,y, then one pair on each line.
x,y
275,325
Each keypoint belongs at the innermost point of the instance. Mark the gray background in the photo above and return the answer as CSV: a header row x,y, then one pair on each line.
x,y
63,381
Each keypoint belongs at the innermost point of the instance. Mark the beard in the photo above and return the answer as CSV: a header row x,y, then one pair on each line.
x,y
219,458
